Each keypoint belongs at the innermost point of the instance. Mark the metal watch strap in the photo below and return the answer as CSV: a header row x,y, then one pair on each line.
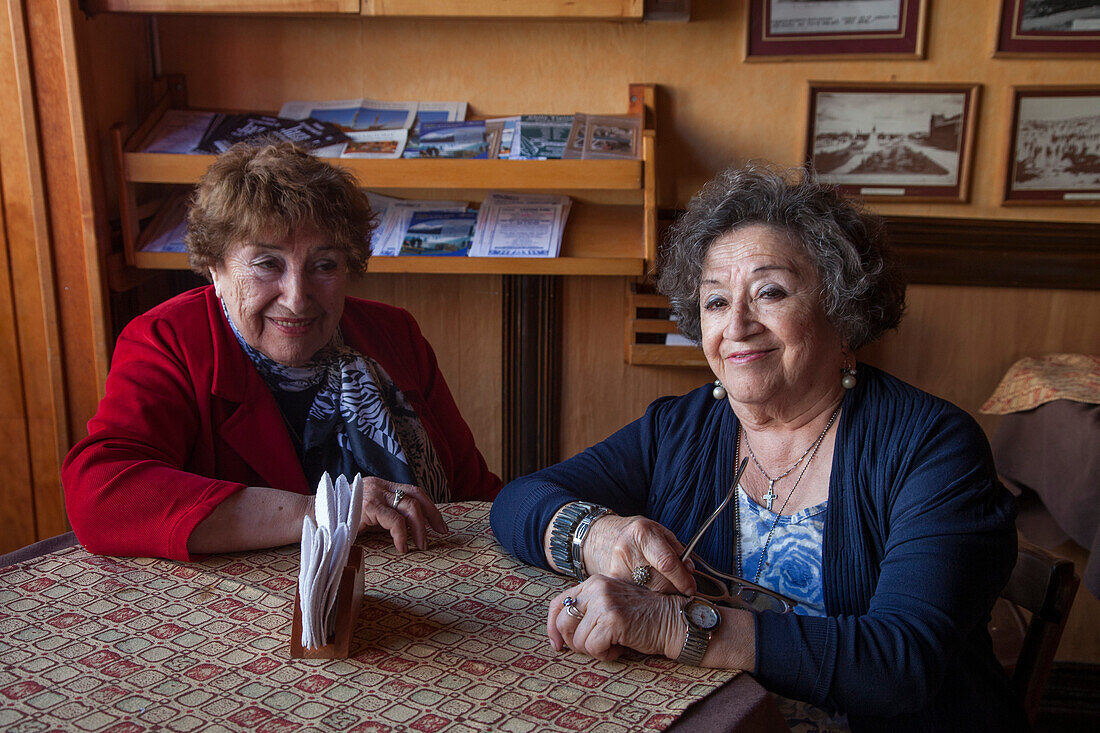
x,y
561,533
580,533
697,639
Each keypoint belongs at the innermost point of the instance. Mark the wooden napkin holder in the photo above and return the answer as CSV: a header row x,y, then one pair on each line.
x,y
349,599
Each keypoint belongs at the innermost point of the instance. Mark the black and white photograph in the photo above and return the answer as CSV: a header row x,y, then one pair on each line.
x,y
893,143
1055,153
795,17
1059,15
779,29
1049,28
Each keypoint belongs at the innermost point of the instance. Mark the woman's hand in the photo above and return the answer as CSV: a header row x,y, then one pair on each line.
x,y
617,614
413,513
616,545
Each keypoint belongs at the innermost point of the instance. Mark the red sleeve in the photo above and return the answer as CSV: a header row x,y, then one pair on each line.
x,y
131,487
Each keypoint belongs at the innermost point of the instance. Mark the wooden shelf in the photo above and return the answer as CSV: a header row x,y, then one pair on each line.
x,y
516,175
599,240
455,9
225,7
640,347
537,9
611,228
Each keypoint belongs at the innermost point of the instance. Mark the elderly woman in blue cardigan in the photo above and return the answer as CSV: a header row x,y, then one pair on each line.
x,y
867,538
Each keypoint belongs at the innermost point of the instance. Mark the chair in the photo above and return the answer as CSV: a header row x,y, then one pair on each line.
x,y
1043,585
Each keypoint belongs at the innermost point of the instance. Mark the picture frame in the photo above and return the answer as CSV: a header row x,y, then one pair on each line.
x,y
779,30
1054,28
893,142
1054,146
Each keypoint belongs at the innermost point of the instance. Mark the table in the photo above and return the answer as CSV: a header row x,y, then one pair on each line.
x,y
449,639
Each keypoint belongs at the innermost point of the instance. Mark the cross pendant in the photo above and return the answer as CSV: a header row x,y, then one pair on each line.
x,y
770,497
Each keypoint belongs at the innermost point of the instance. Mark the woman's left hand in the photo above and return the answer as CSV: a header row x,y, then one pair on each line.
x,y
617,614
411,515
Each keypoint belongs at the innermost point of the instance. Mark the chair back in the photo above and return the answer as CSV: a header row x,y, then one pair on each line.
x,y
1044,585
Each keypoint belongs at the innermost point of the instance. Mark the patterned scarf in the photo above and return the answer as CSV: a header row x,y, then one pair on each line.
x,y
359,419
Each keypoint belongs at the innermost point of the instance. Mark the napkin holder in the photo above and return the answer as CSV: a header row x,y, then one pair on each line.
x,y
349,599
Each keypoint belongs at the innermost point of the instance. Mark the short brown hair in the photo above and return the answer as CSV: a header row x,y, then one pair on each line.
x,y
271,189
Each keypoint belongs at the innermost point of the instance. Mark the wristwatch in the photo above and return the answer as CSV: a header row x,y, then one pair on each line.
x,y
701,619
561,533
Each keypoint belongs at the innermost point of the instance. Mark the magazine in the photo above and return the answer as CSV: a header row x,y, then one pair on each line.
x,y
227,130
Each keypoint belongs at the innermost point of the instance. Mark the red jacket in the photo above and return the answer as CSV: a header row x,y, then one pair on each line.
x,y
187,421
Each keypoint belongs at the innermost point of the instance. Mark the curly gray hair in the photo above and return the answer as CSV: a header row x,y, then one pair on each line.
x,y
861,289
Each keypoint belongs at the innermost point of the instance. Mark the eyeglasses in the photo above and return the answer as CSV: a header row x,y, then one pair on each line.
x,y
726,589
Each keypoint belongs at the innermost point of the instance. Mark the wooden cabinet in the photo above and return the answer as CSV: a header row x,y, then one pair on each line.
x,y
611,228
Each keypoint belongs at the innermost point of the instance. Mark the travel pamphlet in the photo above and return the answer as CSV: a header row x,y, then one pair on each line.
x,y
439,233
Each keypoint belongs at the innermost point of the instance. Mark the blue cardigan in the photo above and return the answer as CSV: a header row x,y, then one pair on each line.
x,y
919,540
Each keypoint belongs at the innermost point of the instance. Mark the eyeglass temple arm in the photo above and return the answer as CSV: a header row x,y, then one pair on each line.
x,y
714,515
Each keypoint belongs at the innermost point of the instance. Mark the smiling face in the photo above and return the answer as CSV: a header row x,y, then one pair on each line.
x,y
285,296
764,332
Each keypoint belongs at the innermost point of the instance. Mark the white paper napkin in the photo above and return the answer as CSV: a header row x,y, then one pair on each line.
x,y
326,544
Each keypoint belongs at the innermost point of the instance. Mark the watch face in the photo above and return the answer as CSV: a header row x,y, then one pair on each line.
x,y
702,615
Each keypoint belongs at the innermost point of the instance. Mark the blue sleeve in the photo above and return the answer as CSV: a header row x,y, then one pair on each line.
x,y
615,473
933,534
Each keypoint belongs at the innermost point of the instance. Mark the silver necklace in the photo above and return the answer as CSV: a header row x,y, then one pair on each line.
x,y
811,452
770,497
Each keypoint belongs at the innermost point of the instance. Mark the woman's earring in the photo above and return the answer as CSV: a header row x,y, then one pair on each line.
x,y
848,380
719,392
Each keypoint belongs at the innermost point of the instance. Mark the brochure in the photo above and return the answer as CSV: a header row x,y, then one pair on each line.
x,y
179,131
439,233
375,144
394,222
541,137
355,114
432,112
520,225
453,140
612,137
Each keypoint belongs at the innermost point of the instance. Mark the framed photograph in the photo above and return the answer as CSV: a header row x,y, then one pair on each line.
x,y
1054,146
893,142
1049,28
783,29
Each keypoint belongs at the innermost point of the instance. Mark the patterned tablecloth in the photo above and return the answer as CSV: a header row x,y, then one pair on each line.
x,y
450,639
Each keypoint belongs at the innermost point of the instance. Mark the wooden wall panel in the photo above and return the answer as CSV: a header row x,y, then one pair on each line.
x,y
713,109
461,318
32,273
16,498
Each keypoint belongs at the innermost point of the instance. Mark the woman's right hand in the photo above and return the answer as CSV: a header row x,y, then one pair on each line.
x,y
616,545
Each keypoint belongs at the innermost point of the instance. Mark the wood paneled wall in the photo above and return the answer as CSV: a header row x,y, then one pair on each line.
x,y
713,109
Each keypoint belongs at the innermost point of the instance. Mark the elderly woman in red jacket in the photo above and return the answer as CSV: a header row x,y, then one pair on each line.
x,y
225,405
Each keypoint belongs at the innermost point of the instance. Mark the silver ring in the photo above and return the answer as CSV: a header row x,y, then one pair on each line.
x,y
641,575
570,604
398,495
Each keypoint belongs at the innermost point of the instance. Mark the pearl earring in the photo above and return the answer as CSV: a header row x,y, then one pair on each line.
x,y
848,380
719,392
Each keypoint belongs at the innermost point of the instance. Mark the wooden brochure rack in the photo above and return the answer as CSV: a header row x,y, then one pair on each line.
x,y
611,228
